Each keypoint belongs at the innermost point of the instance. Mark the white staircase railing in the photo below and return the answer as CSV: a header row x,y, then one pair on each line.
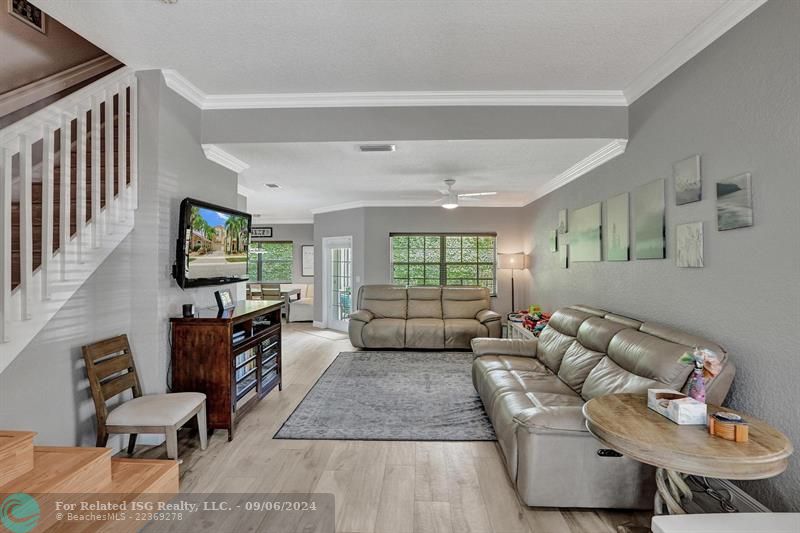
x,y
33,152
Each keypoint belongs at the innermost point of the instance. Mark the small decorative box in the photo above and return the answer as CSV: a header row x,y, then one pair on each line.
x,y
676,406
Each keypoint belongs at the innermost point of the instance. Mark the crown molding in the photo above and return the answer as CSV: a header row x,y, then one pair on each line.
x,y
204,101
585,165
46,87
221,157
705,33
415,99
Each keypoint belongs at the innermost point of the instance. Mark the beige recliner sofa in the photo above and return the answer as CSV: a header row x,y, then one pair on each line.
x,y
422,317
534,390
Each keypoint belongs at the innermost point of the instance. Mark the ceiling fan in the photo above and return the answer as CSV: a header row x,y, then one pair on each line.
x,y
451,199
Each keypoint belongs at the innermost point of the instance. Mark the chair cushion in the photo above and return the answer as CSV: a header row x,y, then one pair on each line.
x,y
424,332
459,332
385,333
155,409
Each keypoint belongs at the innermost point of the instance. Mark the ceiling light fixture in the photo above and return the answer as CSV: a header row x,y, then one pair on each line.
x,y
272,186
451,201
377,148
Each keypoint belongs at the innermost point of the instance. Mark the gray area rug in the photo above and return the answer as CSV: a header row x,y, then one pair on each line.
x,y
392,396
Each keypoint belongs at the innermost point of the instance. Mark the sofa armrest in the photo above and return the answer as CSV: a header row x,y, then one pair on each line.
x,y
362,315
553,419
490,346
486,315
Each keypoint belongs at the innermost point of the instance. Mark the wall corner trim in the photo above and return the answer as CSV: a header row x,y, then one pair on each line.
x,y
705,33
585,165
221,157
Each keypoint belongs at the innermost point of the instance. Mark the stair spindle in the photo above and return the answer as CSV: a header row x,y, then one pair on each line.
x,y
122,124
25,225
48,156
134,190
64,193
80,192
95,169
108,222
5,241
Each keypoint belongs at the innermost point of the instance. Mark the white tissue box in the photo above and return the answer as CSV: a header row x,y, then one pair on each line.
x,y
677,406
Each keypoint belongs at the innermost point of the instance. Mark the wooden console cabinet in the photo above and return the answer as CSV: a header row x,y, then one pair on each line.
x,y
233,357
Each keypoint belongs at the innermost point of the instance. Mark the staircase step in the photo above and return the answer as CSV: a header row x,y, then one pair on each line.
x,y
16,454
133,480
64,470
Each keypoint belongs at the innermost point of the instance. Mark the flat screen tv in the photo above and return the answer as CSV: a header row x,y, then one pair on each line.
x,y
212,244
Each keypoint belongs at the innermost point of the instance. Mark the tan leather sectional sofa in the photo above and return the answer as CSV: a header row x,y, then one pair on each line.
x,y
534,390
422,317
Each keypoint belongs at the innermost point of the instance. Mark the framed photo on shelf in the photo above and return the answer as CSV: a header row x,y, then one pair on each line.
x,y
224,299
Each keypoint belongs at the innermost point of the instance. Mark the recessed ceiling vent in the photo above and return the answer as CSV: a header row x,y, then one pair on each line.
x,y
377,148
272,186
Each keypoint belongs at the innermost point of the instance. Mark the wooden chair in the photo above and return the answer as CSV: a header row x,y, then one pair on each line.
x,y
255,291
271,292
111,371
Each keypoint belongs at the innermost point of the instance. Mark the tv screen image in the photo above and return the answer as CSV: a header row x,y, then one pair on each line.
x,y
213,246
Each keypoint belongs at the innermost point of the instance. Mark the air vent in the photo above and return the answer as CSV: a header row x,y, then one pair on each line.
x,y
272,186
377,147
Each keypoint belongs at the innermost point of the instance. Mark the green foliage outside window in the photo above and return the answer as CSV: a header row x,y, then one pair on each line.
x,y
270,262
443,260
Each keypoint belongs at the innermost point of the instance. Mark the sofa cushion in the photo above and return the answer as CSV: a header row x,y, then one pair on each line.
x,y
384,333
552,346
425,333
596,333
458,332
536,381
464,302
384,301
425,302
508,362
650,357
576,365
607,377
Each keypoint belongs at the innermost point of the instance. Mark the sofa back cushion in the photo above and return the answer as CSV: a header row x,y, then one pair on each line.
x,y
637,361
557,336
384,301
424,302
464,302
590,346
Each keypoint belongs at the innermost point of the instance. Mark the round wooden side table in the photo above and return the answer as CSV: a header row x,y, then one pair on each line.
x,y
624,423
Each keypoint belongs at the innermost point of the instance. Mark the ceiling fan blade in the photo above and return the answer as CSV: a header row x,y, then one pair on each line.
x,y
469,199
469,194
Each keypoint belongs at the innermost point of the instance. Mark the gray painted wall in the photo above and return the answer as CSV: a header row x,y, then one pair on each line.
x,y
299,234
371,226
419,123
736,104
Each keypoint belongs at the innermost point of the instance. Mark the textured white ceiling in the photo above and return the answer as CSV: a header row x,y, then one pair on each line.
x,y
247,46
316,176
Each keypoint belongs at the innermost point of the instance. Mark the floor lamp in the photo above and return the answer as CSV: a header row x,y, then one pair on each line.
x,y
511,262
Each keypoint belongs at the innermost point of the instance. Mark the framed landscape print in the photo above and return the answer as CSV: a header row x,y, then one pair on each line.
x,y
689,245
734,202
618,223
584,239
688,183
564,256
553,240
648,219
307,256
261,232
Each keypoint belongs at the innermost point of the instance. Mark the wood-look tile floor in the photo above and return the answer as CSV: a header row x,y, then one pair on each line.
x,y
379,486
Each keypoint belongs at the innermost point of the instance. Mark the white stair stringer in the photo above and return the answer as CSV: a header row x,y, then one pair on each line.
x,y
44,291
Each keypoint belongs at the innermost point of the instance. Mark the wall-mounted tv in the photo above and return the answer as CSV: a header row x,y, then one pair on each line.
x,y
212,244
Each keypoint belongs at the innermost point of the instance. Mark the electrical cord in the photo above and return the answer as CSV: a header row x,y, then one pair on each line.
x,y
721,495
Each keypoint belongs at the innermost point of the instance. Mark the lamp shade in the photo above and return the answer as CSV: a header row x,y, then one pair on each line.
x,y
515,261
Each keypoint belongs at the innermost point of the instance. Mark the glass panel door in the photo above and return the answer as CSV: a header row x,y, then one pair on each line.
x,y
341,287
